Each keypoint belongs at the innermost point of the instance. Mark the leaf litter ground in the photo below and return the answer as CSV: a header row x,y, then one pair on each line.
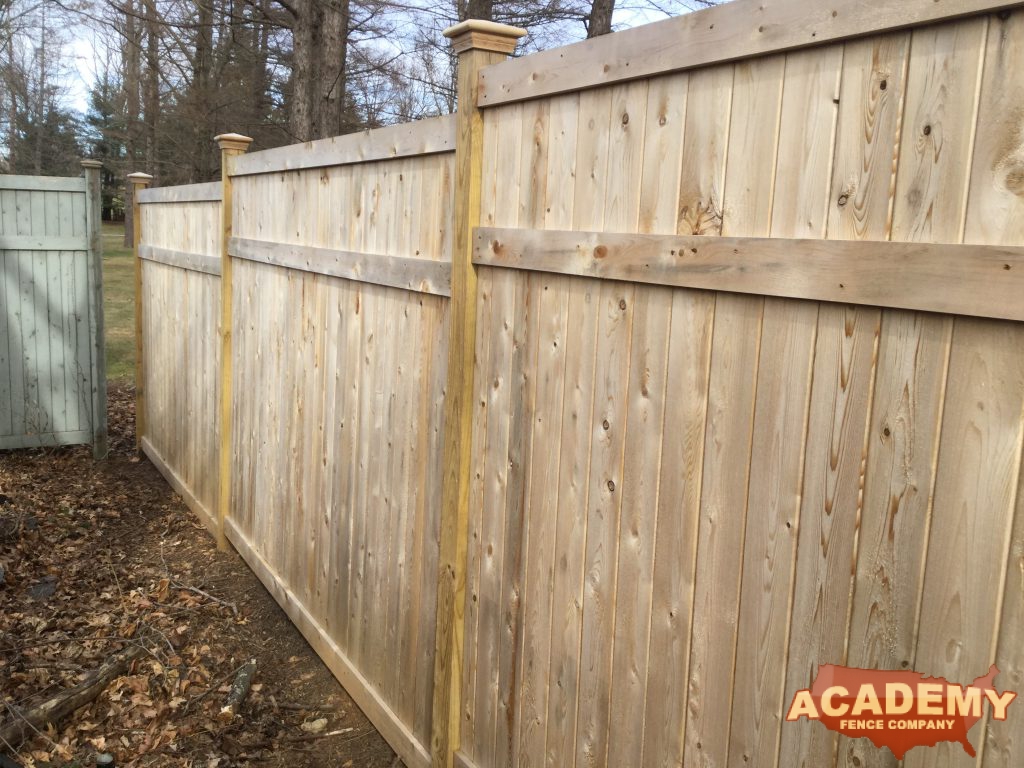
x,y
99,556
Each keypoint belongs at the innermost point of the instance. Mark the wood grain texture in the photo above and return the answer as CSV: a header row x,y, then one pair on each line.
x,y
396,271
982,436
736,30
424,137
185,193
843,379
807,119
197,262
956,279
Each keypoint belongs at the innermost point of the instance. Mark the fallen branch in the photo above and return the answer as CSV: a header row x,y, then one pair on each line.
x,y
208,596
316,736
54,709
239,690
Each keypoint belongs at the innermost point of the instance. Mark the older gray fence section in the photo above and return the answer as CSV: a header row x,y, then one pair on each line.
x,y
52,380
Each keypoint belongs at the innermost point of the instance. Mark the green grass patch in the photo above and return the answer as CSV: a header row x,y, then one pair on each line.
x,y
118,303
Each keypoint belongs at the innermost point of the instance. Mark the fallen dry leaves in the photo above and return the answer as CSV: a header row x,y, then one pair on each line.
x,y
96,557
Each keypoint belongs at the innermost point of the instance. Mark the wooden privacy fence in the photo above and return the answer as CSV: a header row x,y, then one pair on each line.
x,y
177,384
52,373
580,428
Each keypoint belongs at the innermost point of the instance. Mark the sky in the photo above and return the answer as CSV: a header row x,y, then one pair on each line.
x,y
84,50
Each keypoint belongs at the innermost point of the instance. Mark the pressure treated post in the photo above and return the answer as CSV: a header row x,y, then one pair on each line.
x,y
93,216
231,145
139,182
478,44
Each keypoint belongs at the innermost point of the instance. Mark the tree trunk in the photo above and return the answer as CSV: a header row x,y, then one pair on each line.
x,y
202,79
306,69
40,106
480,9
151,105
600,20
331,89
132,78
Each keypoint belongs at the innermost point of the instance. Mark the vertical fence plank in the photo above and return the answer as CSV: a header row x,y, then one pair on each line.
x,y
708,142
871,94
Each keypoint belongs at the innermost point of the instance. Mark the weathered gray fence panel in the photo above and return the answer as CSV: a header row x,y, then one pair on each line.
x,y
52,380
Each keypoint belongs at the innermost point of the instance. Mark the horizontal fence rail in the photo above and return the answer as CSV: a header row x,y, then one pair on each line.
x,y
583,426
395,271
974,280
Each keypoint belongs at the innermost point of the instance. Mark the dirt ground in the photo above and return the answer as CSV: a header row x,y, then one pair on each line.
x,y
97,557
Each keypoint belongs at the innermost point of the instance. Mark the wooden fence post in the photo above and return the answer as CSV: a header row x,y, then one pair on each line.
x,y
478,44
231,145
93,217
139,182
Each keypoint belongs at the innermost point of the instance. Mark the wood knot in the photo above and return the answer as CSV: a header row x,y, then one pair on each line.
x,y
927,130
843,200
606,425
625,118
611,485
662,120
883,85
600,251
622,304
495,247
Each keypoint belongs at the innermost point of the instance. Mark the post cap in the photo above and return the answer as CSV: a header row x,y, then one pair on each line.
x,y
139,178
89,163
477,34
233,141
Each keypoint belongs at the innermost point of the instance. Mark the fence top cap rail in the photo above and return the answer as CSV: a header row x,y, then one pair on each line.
x,y
431,135
483,35
43,183
735,30
208,192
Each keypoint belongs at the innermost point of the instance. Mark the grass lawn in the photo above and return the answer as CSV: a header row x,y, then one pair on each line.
x,y
118,304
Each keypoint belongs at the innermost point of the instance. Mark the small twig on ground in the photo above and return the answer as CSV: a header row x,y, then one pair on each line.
x,y
207,595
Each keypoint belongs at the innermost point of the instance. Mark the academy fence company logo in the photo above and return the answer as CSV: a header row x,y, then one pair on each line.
x,y
898,710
